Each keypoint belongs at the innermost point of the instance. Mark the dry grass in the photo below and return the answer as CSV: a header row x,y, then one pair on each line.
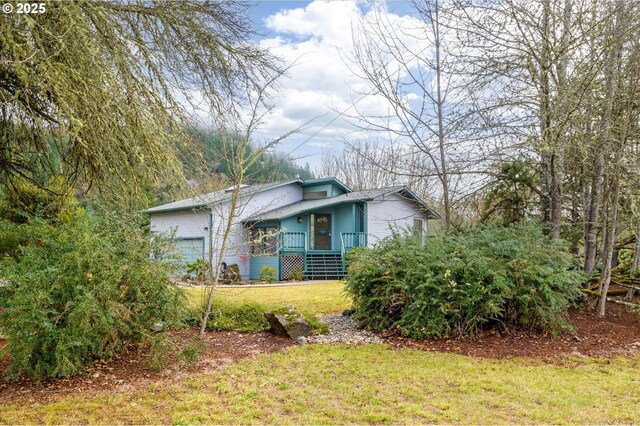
x,y
367,384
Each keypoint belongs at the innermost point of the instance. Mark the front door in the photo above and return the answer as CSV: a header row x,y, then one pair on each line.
x,y
322,231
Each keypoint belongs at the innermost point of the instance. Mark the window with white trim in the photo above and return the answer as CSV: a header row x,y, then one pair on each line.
x,y
418,227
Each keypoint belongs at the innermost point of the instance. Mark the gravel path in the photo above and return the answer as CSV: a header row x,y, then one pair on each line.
x,y
343,329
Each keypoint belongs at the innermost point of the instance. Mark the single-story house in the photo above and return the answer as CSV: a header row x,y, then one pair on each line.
x,y
305,225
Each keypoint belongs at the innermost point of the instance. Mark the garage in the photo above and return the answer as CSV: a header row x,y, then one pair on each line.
x,y
190,249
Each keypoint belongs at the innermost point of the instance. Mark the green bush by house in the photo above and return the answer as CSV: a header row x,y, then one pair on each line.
x,y
81,290
268,274
199,269
454,284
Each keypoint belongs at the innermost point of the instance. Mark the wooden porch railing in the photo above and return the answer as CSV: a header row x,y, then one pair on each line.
x,y
349,240
293,241
353,239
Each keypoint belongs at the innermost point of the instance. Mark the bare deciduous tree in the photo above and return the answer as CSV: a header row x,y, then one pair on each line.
x,y
406,68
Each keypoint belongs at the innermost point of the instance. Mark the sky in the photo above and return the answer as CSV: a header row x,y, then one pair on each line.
x,y
316,37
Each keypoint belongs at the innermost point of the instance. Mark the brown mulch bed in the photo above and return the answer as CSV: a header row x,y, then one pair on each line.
x,y
616,334
131,370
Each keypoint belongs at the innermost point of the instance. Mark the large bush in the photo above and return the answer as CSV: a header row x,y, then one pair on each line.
x,y
80,290
452,285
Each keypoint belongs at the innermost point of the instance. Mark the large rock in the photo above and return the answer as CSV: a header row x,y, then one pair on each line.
x,y
288,322
231,275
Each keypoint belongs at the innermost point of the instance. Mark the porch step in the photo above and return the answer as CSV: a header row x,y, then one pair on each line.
x,y
324,266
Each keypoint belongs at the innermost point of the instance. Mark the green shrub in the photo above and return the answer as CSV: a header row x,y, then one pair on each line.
x,y
198,269
247,318
268,274
296,275
13,236
82,290
452,285
191,351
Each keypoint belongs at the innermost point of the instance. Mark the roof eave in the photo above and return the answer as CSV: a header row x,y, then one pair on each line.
x,y
214,202
267,219
429,211
178,209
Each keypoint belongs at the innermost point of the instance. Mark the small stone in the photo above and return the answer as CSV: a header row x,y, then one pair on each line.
x,y
343,329
157,327
362,324
302,340
124,388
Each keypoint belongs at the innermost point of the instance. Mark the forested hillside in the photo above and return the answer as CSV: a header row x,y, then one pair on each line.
x,y
205,164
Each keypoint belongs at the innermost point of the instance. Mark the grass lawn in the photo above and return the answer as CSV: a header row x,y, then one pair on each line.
x,y
358,384
316,299
367,384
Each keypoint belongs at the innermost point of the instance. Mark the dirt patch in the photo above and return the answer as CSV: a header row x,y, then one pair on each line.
x,y
616,334
131,370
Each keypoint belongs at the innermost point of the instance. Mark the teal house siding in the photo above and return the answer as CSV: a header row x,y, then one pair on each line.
x,y
318,188
258,262
291,224
344,223
332,190
342,220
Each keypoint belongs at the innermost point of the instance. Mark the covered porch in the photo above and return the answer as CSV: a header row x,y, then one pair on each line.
x,y
313,242
295,253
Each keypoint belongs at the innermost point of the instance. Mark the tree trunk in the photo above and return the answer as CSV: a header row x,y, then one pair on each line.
x,y
611,76
233,204
636,264
562,115
575,220
551,180
441,141
609,243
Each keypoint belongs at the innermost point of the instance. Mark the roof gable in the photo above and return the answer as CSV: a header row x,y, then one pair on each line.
x,y
216,197
323,181
350,197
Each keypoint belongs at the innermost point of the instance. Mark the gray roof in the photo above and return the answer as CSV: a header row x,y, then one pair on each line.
x,y
215,197
366,195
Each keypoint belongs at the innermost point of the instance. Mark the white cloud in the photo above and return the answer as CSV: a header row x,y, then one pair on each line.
x,y
325,20
320,144
317,41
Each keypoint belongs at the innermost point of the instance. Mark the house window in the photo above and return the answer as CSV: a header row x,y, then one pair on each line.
x,y
314,195
418,227
264,241
361,217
